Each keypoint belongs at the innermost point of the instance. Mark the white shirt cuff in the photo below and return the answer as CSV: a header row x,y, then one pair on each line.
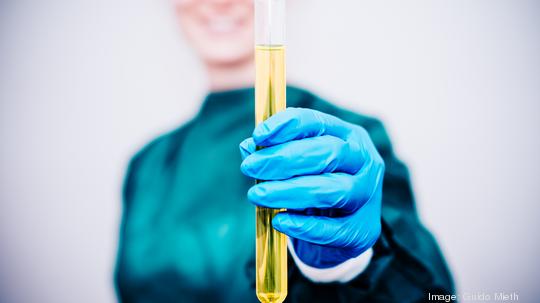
x,y
343,272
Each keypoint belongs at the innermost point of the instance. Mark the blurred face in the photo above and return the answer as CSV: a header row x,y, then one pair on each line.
x,y
220,31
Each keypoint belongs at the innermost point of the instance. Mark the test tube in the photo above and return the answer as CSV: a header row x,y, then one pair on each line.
x,y
270,98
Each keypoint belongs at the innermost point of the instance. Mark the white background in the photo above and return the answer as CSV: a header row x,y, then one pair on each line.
x,y
84,84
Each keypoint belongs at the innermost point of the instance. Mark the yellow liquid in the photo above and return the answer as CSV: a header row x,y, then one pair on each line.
x,y
271,245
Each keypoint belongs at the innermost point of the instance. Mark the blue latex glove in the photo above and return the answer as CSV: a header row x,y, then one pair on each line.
x,y
327,174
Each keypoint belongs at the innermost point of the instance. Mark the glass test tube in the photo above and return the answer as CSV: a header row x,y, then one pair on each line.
x,y
270,98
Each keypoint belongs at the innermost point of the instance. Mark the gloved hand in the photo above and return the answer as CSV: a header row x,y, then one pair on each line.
x,y
327,174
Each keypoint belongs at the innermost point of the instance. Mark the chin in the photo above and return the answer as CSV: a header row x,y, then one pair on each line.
x,y
228,54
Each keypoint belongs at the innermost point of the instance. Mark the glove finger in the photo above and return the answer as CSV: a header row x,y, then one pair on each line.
x,y
358,231
308,156
298,123
327,191
247,147
318,230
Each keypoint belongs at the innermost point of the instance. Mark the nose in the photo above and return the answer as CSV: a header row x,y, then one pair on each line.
x,y
225,6
222,2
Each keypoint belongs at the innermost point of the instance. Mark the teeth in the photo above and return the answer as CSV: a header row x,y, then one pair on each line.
x,y
221,25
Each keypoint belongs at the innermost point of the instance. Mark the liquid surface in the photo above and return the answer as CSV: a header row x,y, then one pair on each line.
x,y
271,245
270,82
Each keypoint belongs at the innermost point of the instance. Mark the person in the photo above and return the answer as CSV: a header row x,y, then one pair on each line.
x,y
188,231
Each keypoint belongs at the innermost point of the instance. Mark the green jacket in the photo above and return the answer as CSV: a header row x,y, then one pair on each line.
x,y
188,231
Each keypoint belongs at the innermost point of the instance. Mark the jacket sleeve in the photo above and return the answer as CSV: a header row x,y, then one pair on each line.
x,y
134,279
407,263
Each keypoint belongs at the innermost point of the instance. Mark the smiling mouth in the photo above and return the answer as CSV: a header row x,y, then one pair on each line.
x,y
223,25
